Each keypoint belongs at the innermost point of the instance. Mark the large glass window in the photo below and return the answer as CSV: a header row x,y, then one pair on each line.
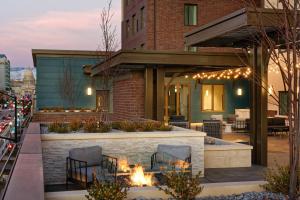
x,y
190,14
212,98
179,100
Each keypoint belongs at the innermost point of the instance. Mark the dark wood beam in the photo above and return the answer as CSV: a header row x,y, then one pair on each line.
x,y
259,104
160,87
149,92
171,59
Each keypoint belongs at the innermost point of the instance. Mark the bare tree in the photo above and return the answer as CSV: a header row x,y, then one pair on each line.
x,y
282,45
108,39
108,45
67,86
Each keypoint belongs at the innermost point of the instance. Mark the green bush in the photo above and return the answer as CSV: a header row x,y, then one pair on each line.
x,y
104,128
146,126
58,127
90,125
278,180
107,191
75,125
128,126
181,185
164,128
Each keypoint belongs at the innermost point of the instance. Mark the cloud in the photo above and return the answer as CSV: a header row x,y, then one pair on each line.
x,y
53,30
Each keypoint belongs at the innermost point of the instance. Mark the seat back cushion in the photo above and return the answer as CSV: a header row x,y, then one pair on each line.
x,y
180,151
92,155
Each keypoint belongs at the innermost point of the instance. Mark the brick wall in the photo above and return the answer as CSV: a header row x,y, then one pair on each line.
x,y
128,96
170,29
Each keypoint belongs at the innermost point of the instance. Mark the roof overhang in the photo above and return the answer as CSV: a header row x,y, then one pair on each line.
x,y
59,53
236,29
140,59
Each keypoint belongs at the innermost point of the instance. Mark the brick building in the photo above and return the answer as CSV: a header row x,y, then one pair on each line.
x,y
161,24
153,53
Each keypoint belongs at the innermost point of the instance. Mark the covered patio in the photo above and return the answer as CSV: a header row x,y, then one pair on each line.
x,y
240,30
170,85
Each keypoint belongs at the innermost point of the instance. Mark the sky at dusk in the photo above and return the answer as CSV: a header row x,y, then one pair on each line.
x,y
50,24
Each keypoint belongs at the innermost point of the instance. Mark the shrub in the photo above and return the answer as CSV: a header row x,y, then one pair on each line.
x,y
75,125
90,125
58,127
181,185
107,191
104,128
278,180
164,128
146,126
128,126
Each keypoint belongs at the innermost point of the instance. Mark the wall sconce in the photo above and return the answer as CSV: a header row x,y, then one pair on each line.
x,y
89,91
239,92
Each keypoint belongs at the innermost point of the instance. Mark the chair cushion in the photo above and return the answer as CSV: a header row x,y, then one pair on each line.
x,y
92,155
179,151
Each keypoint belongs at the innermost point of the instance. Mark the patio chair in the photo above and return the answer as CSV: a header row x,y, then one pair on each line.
x,y
179,120
85,164
213,128
171,157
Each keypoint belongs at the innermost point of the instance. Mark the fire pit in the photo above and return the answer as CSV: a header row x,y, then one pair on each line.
x,y
135,174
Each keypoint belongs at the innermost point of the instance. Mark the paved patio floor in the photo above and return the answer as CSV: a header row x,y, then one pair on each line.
x,y
277,152
278,148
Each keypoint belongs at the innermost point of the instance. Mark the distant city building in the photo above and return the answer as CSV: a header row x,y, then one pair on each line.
x,y
4,73
26,86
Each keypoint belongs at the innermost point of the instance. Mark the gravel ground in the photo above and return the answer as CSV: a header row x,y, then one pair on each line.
x,y
244,196
248,196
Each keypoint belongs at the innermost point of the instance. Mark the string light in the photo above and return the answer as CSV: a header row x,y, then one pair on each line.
x,y
225,74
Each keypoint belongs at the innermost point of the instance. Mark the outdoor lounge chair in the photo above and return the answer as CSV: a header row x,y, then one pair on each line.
x,y
277,125
179,120
213,128
171,157
85,164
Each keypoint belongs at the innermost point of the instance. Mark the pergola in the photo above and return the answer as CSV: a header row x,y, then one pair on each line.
x,y
240,29
156,65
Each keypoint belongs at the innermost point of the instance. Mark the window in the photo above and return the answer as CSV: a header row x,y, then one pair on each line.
x,y
283,102
127,28
133,28
212,98
190,15
142,23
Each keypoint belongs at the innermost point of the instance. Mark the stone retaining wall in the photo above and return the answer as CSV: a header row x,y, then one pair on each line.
x,y
137,147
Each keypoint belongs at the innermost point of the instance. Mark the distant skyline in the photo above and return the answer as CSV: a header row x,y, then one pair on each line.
x,y
50,24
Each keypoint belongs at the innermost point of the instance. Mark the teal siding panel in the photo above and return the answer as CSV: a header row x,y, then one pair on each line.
x,y
49,75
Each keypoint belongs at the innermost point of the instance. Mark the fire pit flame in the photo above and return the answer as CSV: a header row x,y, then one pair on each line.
x,y
123,165
139,178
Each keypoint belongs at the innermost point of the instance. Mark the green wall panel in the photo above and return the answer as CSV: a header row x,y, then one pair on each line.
x,y
50,72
